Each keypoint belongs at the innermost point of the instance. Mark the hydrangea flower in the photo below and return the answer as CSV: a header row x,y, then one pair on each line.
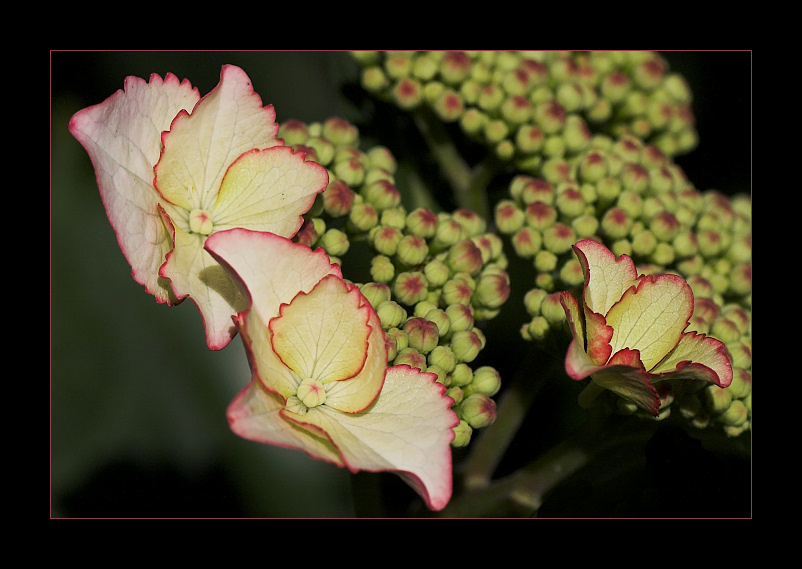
x,y
320,381
173,168
630,332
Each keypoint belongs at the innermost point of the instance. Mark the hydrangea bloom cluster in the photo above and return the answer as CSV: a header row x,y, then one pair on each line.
x,y
529,106
589,138
431,276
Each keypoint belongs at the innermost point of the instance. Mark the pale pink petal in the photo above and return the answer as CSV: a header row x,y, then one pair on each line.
x,y
122,136
697,357
651,317
408,431
195,273
268,190
323,334
200,146
606,276
626,377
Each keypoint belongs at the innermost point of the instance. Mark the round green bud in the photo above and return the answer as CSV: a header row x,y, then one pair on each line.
x,y
412,358
736,414
455,67
529,139
461,376
465,257
545,261
444,358
352,172
533,300
412,250
436,272
616,223
492,290
644,243
570,202
410,287
472,121
362,217
473,223
385,239
571,272
393,217
608,190
424,66
340,132
466,345
537,329
448,232
527,242
460,317
373,79
338,198
462,435
741,385
399,337
423,307
382,269
407,93
382,194
558,238
478,410
375,293
391,314
440,319
458,290
455,392
293,132
621,247
335,242
422,334
552,310
422,222
665,226
540,215
662,255
717,399
486,380
585,225
448,105
439,372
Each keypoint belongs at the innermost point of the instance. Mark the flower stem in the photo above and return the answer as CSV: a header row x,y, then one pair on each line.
x,y
468,184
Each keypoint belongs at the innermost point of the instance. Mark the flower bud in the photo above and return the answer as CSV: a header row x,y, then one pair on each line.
x,y
422,334
399,337
492,290
340,132
448,233
382,194
422,222
644,243
376,293
529,190
407,93
571,272
486,380
385,239
351,171
540,215
585,225
473,120
616,223
466,345
462,435
527,242
558,238
293,132
391,314
439,372
382,269
458,290
462,375
436,273
443,357
448,105
473,223
373,79
478,410
412,250
735,414
410,287
529,139
536,329
455,392
460,317
552,310
465,257
717,399
545,261
570,202
411,357
335,242
440,319
308,234
338,198
662,255
455,66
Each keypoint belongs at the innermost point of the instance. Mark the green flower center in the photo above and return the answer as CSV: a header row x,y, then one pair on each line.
x,y
311,393
200,221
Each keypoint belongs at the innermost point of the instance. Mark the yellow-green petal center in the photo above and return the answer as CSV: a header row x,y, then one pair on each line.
x,y
311,393
200,221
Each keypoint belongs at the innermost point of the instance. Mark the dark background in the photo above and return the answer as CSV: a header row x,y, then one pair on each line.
x,y
138,403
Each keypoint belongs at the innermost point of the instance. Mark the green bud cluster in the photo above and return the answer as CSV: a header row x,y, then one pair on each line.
x,y
434,277
532,107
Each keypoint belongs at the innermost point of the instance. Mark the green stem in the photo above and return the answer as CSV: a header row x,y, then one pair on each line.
x,y
468,185
589,394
